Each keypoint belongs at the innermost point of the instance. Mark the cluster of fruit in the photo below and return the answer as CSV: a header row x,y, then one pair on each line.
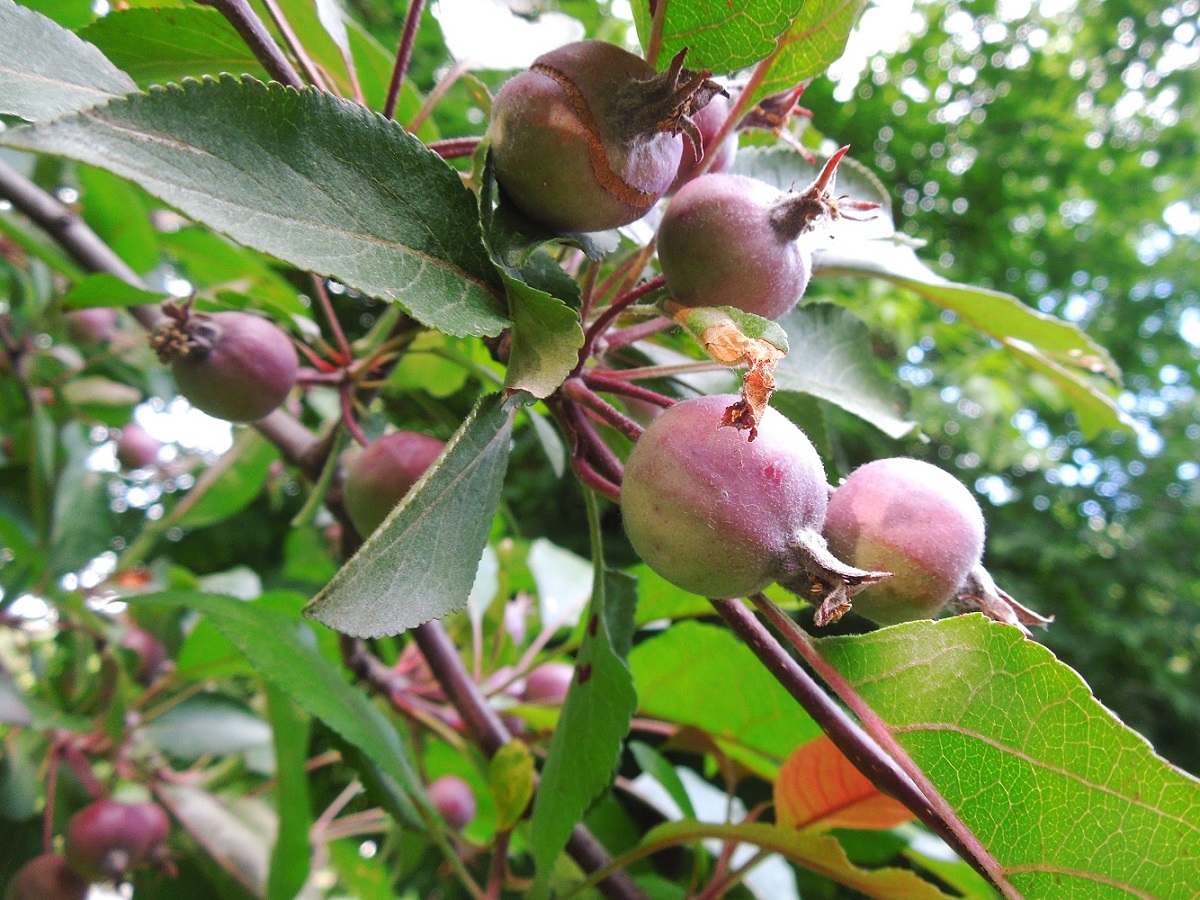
x,y
105,842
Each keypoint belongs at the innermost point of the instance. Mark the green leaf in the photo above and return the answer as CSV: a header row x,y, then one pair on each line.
x,y
208,724
511,776
815,39
659,767
281,648
106,290
230,485
291,855
546,337
157,46
83,520
420,563
71,14
1067,799
831,358
703,676
316,181
46,71
817,852
720,36
595,719
120,214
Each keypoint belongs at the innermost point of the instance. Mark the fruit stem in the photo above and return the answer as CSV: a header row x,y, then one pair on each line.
x,y
602,382
403,55
610,314
575,389
311,72
934,811
435,95
454,148
334,325
658,14
255,36
588,446
634,333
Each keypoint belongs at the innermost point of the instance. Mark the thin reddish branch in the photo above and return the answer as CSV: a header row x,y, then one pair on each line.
x,y
575,389
403,55
600,382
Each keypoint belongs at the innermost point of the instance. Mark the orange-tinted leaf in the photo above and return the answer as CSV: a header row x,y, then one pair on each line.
x,y
819,788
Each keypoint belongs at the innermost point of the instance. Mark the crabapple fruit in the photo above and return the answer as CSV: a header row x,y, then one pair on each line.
x,y
913,519
589,138
46,877
722,516
453,798
379,477
231,365
108,838
548,683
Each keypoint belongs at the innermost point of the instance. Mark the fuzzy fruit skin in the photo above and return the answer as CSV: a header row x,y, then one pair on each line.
x,y
108,838
249,370
46,877
540,141
708,122
548,683
910,518
454,799
717,247
713,512
379,477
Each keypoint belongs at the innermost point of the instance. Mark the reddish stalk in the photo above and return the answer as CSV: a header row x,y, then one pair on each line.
x,y
403,55
311,72
575,389
601,382
455,148
610,314
634,333
435,96
255,35
334,325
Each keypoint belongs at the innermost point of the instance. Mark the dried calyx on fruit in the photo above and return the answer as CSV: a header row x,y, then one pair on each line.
x,y
46,877
729,240
724,517
922,524
590,137
378,477
708,122
231,365
109,838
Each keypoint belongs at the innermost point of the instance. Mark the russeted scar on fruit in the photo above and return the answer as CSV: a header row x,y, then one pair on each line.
x,y
231,365
589,138
729,240
722,516
378,477
109,838
46,877
913,519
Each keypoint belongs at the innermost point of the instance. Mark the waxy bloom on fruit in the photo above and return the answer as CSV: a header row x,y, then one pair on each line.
x,y
722,516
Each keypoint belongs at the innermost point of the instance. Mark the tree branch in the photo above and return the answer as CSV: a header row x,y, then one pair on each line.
x,y
252,30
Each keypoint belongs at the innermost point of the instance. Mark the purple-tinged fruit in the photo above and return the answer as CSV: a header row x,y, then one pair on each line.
x,y
46,877
109,838
548,683
589,138
94,325
231,365
453,798
136,449
913,519
722,516
379,477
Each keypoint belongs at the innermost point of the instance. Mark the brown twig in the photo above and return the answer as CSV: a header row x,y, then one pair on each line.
x,y
253,32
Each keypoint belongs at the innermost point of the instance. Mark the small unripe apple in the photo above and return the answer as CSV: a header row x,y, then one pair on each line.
x,y
453,798
723,516
231,365
914,520
94,325
589,137
151,654
136,448
378,477
548,683
109,838
46,877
